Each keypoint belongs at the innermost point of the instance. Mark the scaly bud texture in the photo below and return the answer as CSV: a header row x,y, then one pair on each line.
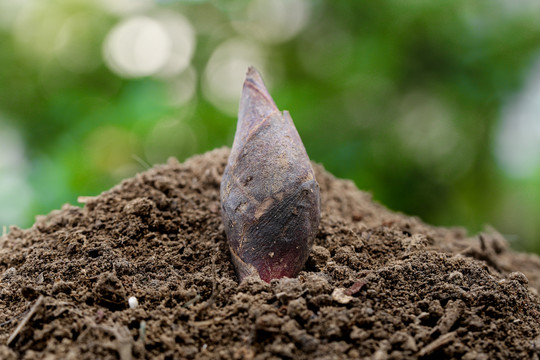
x,y
270,199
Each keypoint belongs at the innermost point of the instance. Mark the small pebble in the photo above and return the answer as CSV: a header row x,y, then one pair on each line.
x,y
9,274
133,302
370,311
519,277
339,295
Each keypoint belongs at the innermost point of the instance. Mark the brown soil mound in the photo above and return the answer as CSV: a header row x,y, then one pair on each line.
x,y
377,283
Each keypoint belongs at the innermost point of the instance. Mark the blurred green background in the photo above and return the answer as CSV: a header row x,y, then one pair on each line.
x,y
433,106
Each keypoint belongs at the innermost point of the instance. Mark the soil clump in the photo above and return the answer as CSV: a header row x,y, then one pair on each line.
x,y
378,284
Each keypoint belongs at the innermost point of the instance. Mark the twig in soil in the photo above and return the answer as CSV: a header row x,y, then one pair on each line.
x,y
453,312
13,318
142,331
368,235
482,243
437,343
24,321
210,300
486,254
192,301
142,337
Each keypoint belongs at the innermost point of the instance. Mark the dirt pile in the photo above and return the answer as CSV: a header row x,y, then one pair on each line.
x,y
377,284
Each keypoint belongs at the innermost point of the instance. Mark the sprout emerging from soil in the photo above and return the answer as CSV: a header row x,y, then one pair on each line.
x,y
269,196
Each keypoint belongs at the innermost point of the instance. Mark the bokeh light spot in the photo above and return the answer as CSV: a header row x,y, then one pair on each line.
x,y
182,36
181,88
138,46
126,7
15,192
36,27
428,137
9,10
225,73
517,146
274,21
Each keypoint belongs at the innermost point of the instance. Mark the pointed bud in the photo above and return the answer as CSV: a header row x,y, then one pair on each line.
x,y
269,196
